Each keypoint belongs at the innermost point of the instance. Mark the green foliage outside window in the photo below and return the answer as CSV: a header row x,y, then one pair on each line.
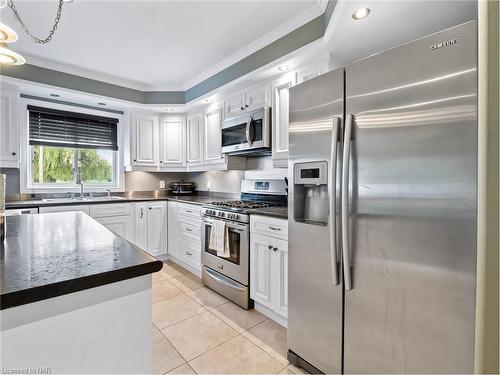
x,y
55,165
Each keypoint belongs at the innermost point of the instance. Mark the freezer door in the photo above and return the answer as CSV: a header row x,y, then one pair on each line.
x,y
314,283
412,207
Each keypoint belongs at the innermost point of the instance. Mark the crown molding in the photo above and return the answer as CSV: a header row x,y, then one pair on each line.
x,y
275,34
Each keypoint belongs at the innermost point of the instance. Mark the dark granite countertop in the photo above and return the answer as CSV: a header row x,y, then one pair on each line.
x,y
278,212
49,255
126,197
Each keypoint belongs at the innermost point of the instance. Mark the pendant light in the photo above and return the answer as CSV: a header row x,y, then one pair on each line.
x,y
7,56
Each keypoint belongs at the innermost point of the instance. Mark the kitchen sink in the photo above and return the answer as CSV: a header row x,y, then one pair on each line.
x,y
82,199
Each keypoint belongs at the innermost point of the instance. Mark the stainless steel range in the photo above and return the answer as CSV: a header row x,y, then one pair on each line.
x,y
228,274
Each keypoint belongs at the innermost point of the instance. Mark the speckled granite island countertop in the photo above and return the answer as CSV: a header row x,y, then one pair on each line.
x,y
53,254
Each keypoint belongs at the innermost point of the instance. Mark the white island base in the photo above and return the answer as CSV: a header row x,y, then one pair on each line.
x,y
106,329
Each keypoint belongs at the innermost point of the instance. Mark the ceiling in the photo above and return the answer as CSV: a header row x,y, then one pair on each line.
x,y
154,45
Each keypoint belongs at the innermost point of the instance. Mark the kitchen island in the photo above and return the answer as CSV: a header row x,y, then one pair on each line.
x,y
69,285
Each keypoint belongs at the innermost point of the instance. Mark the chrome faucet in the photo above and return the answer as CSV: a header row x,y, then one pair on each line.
x,y
109,193
78,181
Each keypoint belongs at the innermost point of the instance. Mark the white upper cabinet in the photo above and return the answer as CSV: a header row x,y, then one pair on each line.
x,y
212,137
253,98
172,142
280,93
234,105
194,132
257,97
9,128
144,140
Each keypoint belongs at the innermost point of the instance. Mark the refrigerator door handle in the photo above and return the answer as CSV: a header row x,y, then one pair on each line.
x,y
332,183
346,259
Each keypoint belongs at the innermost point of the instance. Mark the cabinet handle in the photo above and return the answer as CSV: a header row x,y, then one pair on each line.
x,y
274,228
275,249
135,159
246,105
150,208
189,253
13,154
270,247
161,161
188,230
242,108
142,213
189,211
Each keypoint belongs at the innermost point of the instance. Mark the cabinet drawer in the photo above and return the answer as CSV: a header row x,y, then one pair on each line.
x,y
269,226
66,208
111,209
191,230
190,253
189,210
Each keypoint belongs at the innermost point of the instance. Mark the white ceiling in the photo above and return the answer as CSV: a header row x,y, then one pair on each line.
x,y
154,45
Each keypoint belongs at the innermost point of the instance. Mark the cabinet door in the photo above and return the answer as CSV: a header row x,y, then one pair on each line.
x,y
9,134
144,139
280,274
172,230
212,137
156,227
256,98
280,91
194,134
234,105
141,234
261,255
172,142
121,225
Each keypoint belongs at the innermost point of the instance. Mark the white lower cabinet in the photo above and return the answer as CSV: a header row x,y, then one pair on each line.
x,y
269,268
117,217
184,235
151,227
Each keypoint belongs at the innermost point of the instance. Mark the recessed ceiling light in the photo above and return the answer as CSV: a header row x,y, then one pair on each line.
x,y
361,13
169,109
101,103
55,95
283,68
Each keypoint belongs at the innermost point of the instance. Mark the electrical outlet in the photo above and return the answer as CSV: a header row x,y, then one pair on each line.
x,y
162,184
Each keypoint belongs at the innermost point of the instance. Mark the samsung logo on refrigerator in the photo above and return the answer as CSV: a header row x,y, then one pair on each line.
x,y
445,44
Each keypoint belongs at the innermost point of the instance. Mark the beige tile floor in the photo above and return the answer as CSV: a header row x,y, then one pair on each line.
x,y
197,331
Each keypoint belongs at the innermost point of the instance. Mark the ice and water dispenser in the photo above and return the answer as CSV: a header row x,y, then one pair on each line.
x,y
311,199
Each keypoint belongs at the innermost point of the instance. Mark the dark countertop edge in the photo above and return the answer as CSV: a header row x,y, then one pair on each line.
x,y
269,213
32,204
26,296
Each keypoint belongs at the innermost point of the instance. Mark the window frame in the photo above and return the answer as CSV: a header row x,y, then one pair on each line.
x,y
27,186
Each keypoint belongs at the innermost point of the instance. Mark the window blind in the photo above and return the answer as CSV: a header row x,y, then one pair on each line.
x,y
52,127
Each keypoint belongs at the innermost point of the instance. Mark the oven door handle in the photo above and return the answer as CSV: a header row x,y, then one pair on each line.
x,y
228,224
220,280
247,131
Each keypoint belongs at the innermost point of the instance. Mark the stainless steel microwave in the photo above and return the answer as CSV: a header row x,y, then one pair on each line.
x,y
248,134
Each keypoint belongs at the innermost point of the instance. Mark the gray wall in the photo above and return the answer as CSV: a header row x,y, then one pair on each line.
x,y
215,181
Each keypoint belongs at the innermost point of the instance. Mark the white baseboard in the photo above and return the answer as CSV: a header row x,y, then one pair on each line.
x,y
271,314
187,266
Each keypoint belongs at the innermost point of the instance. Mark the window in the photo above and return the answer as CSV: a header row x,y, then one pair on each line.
x,y
63,143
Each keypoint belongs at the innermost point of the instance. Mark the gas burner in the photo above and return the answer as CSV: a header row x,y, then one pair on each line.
x,y
244,205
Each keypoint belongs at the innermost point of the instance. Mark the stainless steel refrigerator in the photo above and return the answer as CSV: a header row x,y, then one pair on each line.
x,y
382,211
